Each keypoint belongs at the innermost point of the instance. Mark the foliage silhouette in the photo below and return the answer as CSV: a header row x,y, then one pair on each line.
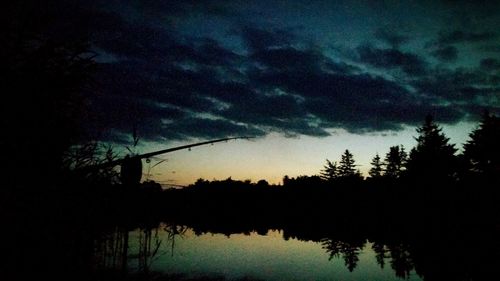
x,y
482,152
349,251
433,159
330,171
376,169
395,161
48,73
346,165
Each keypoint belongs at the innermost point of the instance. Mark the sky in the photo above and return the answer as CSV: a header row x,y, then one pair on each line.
x,y
307,79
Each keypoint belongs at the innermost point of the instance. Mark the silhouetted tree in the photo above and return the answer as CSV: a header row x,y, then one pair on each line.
x,y
395,161
482,151
347,165
329,172
46,64
262,184
350,251
376,169
201,184
401,261
286,180
433,157
381,253
351,257
302,181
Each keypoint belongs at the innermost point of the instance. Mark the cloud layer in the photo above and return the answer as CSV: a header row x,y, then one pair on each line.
x,y
158,74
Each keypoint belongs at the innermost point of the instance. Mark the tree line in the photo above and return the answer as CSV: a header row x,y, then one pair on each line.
x,y
430,180
433,159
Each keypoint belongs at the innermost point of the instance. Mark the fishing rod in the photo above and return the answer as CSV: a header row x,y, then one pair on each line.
x,y
131,165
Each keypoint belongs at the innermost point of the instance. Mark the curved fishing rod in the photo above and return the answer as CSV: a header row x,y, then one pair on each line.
x,y
163,151
131,166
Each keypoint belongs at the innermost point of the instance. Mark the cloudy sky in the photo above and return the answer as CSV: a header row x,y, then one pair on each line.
x,y
309,79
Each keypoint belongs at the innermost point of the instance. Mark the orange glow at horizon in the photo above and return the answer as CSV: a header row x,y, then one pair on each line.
x,y
275,156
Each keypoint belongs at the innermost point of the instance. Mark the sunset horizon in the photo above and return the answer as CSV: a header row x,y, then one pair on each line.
x,y
266,140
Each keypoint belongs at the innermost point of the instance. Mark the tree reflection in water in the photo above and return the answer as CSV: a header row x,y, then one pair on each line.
x,y
349,251
426,256
173,231
113,253
112,250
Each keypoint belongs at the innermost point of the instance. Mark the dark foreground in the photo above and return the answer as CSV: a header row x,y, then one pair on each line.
x,y
59,235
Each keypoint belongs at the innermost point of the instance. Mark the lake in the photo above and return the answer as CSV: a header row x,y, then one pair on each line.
x,y
186,253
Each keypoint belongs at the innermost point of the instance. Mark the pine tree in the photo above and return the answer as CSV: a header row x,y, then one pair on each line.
x,y
433,157
395,160
376,169
347,165
329,172
482,151
403,156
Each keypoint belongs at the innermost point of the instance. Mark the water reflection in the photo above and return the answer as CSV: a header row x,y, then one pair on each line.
x,y
174,231
183,252
348,250
148,246
111,250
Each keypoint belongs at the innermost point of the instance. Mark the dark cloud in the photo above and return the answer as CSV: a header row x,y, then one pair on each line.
x,y
459,36
391,37
290,59
458,88
259,39
182,7
125,39
409,63
490,64
210,52
358,103
161,12
490,48
176,86
206,128
446,54
116,116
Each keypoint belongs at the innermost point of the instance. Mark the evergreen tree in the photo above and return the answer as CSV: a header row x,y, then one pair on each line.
x,y
347,165
482,151
329,172
433,157
403,156
395,161
376,169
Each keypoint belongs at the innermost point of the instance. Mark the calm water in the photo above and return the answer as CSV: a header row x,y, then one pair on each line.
x,y
255,256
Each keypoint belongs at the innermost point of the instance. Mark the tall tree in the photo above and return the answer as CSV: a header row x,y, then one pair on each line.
x,y
330,171
347,166
433,157
376,169
482,151
395,161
